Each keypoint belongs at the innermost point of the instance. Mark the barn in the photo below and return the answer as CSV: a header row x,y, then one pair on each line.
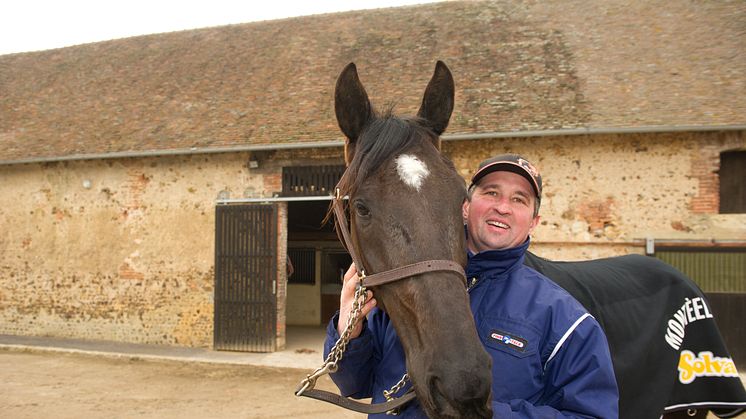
x,y
154,188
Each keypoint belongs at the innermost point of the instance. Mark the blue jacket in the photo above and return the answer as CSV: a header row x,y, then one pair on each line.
x,y
550,357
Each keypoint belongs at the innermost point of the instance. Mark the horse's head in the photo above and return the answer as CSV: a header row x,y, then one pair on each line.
x,y
405,207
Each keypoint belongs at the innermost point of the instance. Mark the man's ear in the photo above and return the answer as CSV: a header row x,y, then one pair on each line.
x,y
465,209
534,223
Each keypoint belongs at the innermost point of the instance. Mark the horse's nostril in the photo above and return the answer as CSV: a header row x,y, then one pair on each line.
x,y
437,396
464,395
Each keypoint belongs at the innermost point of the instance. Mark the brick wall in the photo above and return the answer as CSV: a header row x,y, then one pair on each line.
x,y
272,184
705,166
282,280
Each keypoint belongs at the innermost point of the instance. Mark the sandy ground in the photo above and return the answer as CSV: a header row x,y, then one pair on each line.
x,y
54,385
69,385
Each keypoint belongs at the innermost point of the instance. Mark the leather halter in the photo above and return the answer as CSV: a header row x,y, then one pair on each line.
x,y
306,389
392,275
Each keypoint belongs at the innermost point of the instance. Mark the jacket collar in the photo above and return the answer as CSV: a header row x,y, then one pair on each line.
x,y
495,262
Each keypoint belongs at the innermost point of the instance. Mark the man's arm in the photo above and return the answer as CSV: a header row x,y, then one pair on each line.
x,y
354,375
346,300
580,381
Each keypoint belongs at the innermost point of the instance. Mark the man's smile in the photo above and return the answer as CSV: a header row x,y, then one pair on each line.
x,y
498,224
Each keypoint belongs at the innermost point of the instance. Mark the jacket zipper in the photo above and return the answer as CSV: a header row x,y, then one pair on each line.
x,y
473,281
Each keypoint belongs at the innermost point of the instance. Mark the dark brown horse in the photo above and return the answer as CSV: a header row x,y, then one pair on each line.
x,y
404,203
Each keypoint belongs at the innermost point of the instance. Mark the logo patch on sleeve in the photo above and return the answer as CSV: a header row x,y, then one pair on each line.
x,y
510,340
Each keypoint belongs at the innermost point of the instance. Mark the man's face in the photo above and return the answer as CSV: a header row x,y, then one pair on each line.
x,y
500,214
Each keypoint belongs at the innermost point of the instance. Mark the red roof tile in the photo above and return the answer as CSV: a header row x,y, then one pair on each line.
x,y
518,66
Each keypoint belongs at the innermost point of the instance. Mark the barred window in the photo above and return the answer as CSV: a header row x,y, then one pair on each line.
x,y
733,182
304,265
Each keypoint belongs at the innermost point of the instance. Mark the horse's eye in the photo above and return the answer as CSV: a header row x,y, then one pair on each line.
x,y
361,210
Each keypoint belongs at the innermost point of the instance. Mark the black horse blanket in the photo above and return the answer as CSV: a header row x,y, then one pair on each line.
x,y
667,351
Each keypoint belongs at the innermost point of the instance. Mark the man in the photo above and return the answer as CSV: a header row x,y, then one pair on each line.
x,y
550,358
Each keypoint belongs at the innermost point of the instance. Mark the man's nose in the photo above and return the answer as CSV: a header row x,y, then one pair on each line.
x,y
502,206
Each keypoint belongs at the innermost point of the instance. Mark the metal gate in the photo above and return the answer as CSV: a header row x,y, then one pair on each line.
x,y
721,273
246,277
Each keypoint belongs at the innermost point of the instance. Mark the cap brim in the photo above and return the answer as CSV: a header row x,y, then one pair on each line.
x,y
506,166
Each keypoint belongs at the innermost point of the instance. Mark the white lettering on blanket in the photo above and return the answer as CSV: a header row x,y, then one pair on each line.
x,y
692,310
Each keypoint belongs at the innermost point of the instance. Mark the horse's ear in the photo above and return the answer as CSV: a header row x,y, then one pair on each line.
x,y
352,106
437,103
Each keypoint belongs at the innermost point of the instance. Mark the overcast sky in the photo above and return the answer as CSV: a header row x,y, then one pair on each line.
x,y
32,25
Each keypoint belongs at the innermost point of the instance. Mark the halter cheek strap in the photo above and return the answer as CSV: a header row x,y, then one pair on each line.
x,y
391,275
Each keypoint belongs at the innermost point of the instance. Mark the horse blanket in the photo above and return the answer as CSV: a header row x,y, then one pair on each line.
x,y
667,350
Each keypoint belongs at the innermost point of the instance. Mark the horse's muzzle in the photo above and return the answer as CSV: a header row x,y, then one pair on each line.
x,y
465,395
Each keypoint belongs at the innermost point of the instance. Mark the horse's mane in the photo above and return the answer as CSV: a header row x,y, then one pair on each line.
x,y
384,135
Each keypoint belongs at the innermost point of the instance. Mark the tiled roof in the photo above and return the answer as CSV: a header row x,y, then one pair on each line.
x,y
518,65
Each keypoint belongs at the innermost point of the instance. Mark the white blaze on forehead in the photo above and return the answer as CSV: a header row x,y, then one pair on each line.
x,y
412,170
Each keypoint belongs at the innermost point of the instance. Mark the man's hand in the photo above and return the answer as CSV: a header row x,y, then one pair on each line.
x,y
345,303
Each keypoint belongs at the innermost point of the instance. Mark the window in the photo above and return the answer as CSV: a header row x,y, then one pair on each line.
x,y
733,182
304,265
310,180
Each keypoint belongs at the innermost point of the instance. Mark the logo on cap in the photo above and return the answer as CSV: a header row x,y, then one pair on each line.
x,y
529,167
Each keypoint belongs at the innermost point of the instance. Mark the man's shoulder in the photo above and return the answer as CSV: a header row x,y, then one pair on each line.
x,y
551,295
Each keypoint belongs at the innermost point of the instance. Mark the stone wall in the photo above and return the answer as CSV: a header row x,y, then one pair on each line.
x,y
123,249
113,249
605,194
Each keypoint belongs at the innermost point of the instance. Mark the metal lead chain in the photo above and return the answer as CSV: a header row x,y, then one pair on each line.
x,y
389,394
335,354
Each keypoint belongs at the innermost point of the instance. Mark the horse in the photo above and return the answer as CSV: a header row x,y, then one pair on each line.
x,y
396,219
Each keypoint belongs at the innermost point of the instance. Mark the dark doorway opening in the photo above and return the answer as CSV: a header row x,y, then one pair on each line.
x,y
314,296
334,264
306,221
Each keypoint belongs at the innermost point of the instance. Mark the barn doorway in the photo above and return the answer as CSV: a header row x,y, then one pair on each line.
x,y
315,285
251,258
319,261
